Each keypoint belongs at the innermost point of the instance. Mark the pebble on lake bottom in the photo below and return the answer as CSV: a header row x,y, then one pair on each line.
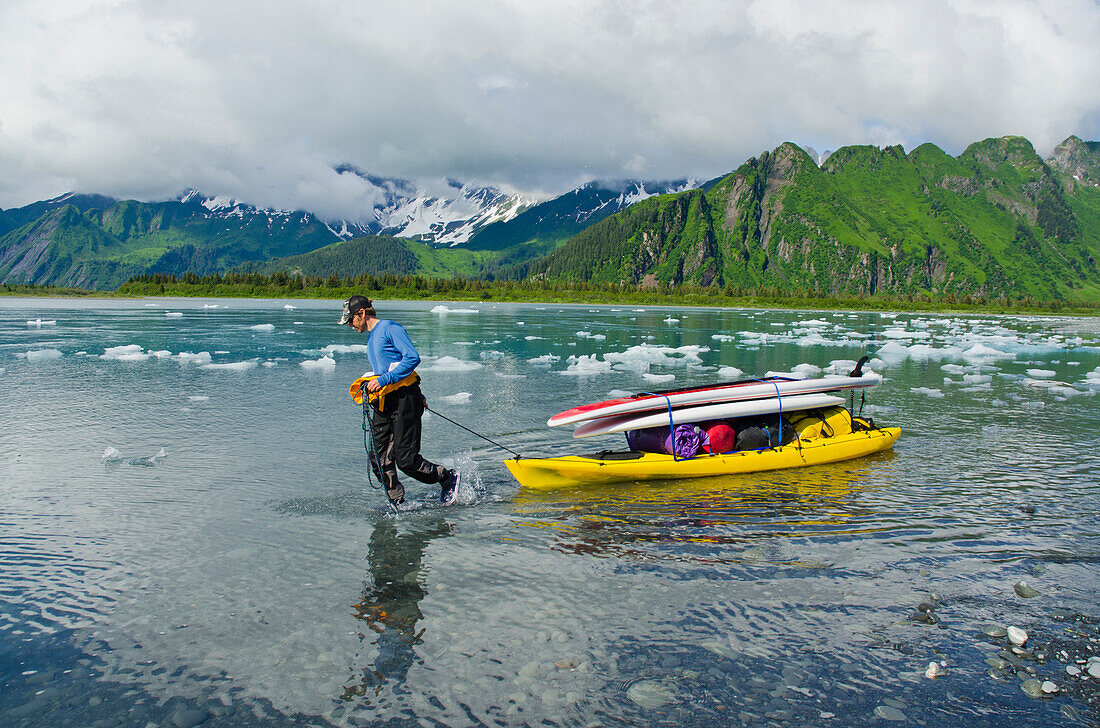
x,y
649,694
1032,688
889,713
1024,591
188,717
934,670
994,630
1017,636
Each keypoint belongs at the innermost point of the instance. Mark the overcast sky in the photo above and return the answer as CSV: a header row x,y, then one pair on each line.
x,y
260,100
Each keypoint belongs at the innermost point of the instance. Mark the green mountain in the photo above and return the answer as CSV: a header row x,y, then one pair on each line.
x,y
375,255
996,221
92,241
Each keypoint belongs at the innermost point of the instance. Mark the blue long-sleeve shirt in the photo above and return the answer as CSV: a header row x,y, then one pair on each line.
x,y
391,352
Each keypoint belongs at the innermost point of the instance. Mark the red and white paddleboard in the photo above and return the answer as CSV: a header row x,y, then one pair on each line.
x,y
702,413
731,392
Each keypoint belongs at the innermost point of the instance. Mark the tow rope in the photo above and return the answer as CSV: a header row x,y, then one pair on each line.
x,y
373,461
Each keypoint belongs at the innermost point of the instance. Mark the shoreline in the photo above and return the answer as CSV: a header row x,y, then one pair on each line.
x,y
567,296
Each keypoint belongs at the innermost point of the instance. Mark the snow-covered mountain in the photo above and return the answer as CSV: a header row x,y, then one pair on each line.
x,y
445,219
568,214
404,210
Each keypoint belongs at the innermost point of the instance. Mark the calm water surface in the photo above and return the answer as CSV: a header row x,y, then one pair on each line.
x,y
254,577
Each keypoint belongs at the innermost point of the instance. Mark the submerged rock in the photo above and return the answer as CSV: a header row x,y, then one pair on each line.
x,y
1032,688
887,712
934,670
1017,636
1049,688
650,695
993,630
1024,591
188,717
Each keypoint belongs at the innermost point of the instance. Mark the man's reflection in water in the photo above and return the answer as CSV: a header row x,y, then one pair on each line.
x,y
391,601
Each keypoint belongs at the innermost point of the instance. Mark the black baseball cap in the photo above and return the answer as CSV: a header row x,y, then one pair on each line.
x,y
352,306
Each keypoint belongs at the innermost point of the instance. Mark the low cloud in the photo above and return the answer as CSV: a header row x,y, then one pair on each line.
x,y
262,100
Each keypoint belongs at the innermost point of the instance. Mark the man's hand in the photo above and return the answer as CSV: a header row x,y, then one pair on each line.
x,y
373,385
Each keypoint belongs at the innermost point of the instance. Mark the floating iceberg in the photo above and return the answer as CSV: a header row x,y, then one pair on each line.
x,y
39,323
267,328
450,364
173,314
40,355
129,352
203,357
933,393
236,366
546,359
345,349
459,398
730,373
325,363
586,365
441,309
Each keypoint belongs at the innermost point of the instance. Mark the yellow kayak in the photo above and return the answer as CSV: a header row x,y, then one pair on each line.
x,y
631,466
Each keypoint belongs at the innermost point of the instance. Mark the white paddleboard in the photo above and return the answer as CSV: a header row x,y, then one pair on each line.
x,y
702,413
731,392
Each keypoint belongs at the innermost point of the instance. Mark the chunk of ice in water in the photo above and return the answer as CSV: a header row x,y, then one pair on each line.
x,y
933,393
730,372
40,355
203,357
288,307
173,314
236,366
130,352
1041,373
267,328
459,398
39,323
346,349
450,364
441,309
586,365
325,363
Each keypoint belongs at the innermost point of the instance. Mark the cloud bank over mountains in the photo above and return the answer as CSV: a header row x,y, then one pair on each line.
x,y
262,101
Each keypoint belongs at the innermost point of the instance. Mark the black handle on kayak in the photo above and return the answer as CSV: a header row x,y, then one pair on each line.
x,y
858,371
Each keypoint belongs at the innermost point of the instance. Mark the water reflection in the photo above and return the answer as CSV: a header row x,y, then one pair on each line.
x,y
390,604
617,519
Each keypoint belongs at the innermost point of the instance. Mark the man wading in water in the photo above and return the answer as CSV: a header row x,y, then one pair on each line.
x,y
398,406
